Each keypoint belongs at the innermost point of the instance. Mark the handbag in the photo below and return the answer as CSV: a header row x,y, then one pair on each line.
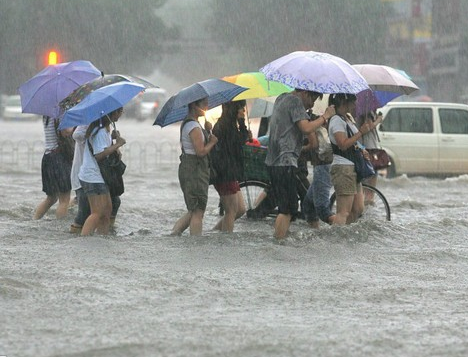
x,y
379,158
112,169
66,144
363,167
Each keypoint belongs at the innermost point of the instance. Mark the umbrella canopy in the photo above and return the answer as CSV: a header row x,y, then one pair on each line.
x,y
258,86
386,84
100,102
104,80
42,93
315,71
385,78
261,108
216,90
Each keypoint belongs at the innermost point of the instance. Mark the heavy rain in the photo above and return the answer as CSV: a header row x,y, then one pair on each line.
x,y
393,283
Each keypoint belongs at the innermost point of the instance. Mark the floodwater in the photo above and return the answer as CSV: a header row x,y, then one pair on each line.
x,y
394,288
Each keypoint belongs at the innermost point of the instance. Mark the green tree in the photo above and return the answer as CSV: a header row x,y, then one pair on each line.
x,y
117,36
264,30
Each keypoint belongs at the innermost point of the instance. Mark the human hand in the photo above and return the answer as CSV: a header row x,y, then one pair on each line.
x,y
366,154
213,139
365,128
115,134
329,112
120,141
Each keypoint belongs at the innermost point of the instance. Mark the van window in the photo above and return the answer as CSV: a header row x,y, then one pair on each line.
x,y
408,120
453,121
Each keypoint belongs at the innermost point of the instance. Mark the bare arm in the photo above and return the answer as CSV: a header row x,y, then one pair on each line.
x,y
119,141
344,143
198,141
308,127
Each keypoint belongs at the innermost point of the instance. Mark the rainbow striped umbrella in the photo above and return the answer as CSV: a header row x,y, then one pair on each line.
x,y
258,86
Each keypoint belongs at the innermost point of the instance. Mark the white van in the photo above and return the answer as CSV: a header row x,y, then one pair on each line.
x,y
425,138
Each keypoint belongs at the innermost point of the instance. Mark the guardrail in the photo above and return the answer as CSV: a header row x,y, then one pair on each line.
x,y
140,157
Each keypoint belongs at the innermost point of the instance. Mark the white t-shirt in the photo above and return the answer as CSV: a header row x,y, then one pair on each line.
x,y
89,171
338,125
80,140
185,136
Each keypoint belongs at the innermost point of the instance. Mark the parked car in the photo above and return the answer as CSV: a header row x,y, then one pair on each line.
x,y
425,138
12,110
150,103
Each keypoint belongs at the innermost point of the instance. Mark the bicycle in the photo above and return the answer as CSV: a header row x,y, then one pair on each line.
x,y
256,185
377,209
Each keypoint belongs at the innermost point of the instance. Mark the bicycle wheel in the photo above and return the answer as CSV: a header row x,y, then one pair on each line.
x,y
256,202
376,206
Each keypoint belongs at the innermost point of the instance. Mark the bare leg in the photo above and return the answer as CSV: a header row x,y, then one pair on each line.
x,y
357,208
344,204
182,224
196,222
44,206
99,219
64,204
234,208
241,208
282,225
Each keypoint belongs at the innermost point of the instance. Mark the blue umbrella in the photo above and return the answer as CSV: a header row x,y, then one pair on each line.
x,y
315,71
100,102
216,90
42,93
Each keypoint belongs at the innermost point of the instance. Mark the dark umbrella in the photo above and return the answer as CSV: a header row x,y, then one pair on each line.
x,y
216,90
82,91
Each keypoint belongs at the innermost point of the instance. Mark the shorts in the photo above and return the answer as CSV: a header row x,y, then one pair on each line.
x,y
55,172
284,186
344,179
227,188
93,189
194,176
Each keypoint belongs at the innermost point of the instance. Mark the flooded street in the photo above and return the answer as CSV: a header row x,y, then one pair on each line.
x,y
397,288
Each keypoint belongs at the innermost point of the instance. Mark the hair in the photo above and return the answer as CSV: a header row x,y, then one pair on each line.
x,y
231,108
310,92
195,103
101,122
339,99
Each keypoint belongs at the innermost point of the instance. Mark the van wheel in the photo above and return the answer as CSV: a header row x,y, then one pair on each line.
x,y
391,170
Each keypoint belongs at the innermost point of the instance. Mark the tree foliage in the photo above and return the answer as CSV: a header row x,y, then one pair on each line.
x,y
264,30
117,36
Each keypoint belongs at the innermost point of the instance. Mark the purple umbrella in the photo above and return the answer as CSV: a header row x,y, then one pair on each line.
x,y
42,93
315,71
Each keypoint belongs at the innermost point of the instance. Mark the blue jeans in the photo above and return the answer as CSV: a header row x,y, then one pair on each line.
x,y
317,200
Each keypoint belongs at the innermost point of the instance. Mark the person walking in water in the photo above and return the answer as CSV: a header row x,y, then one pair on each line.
x,y
194,169
227,158
55,170
288,124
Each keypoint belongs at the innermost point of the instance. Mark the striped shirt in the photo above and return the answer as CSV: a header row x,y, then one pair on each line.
x,y
50,135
